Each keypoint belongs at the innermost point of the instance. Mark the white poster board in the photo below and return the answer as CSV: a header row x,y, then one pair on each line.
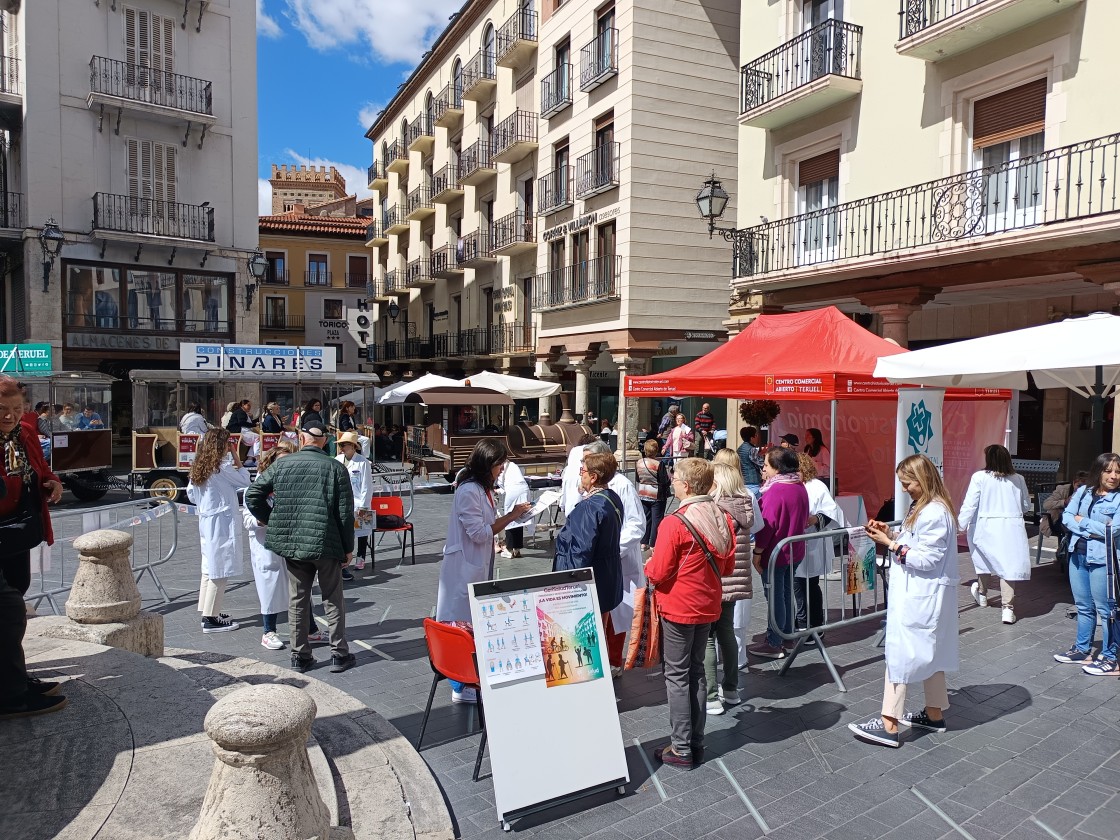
x,y
551,717
919,431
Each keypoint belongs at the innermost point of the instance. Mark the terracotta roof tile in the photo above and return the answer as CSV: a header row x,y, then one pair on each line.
x,y
302,224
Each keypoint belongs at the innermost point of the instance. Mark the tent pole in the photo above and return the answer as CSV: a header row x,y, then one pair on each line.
x,y
1097,400
832,450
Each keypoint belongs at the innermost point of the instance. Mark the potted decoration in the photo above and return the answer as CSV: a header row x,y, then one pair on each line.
x,y
759,413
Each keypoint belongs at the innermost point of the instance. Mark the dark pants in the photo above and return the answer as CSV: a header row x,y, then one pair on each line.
x,y
655,512
515,538
682,651
301,577
363,547
15,578
722,633
810,601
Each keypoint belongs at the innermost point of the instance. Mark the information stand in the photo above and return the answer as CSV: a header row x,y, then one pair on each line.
x,y
551,716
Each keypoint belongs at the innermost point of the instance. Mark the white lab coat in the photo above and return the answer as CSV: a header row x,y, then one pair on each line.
x,y
922,635
630,550
218,510
193,423
992,516
569,480
515,491
468,554
270,573
819,553
361,480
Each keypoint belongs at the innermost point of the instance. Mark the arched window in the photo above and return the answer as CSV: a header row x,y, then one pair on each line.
x,y
384,153
430,110
488,50
404,131
457,84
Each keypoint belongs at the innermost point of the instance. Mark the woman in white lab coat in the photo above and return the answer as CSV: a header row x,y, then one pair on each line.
x,y
515,491
922,637
824,514
216,476
270,573
361,481
992,516
468,554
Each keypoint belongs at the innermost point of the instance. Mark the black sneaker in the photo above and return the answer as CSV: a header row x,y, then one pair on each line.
x,y
342,663
218,625
31,704
42,687
875,732
301,664
347,575
920,720
1074,656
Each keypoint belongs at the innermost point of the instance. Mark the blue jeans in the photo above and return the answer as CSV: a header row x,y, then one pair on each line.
x,y
779,596
1090,593
754,488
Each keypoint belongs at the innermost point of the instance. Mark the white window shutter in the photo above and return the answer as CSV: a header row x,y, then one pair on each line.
x,y
170,179
168,45
132,149
130,44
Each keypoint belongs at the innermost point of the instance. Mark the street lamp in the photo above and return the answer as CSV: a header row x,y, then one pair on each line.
x,y
394,311
712,201
258,266
51,240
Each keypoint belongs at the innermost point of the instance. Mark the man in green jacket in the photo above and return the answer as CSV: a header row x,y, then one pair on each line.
x,y
311,525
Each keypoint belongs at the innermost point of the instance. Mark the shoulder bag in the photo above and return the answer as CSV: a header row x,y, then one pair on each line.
x,y
22,529
703,546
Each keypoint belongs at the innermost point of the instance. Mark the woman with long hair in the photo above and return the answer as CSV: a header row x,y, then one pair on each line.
x,y
216,476
992,517
270,574
921,636
312,415
1093,509
816,450
468,554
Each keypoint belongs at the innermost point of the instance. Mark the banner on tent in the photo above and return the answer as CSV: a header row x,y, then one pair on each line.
x,y
919,430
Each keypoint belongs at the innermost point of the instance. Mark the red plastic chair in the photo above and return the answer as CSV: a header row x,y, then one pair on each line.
x,y
452,657
392,506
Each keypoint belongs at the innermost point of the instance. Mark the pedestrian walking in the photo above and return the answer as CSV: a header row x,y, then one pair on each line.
x,y
704,425
269,571
654,488
215,477
678,443
668,420
922,640
694,552
992,517
311,525
358,468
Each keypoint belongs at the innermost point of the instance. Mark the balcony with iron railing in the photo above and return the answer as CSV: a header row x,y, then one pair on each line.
x,y
375,234
11,211
275,277
377,178
476,164
11,94
445,184
514,137
513,234
473,249
317,277
598,61
936,29
967,211
556,91
517,39
166,220
449,106
554,190
418,205
812,72
514,338
118,84
597,171
394,282
445,263
158,321
419,273
396,157
358,281
421,135
280,321
582,283
394,221
480,76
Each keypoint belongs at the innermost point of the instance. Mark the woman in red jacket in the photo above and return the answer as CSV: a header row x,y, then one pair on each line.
x,y
27,485
695,550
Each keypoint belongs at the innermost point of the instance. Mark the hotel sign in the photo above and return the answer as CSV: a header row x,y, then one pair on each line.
x,y
595,217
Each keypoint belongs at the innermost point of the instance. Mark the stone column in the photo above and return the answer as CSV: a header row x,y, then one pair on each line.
x,y
544,404
896,321
583,385
895,306
627,424
262,784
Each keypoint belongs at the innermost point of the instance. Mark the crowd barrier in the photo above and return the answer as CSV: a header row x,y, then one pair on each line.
x,y
154,526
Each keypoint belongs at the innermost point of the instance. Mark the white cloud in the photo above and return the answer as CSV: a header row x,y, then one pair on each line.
x,y
355,175
395,31
266,25
264,197
368,113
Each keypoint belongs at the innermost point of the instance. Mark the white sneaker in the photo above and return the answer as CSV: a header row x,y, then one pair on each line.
x,y
715,707
360,563
978,595
467,695
317,638
506,553
271,641
729,696
1009,615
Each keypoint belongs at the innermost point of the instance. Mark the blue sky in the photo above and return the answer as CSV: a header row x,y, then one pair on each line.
x,y
325,68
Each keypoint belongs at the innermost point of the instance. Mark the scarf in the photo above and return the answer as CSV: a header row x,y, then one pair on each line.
x,y
15,456
780,478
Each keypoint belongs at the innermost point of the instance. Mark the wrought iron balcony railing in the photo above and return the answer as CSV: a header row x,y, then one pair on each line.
x,y
481,68
520,30
474,162
137,83
418,129
916,15
11,210
390,217
473,247
396,153
556,91
316,277
589,281
597,171
417,272
10,81
449,104
281,321
830,48
147,216
514,136
275,277
418,200
516,337
515,229
394,281
375,231
554,190
444,181
444,262
357,281
153,323
376,172
598,61
1059,185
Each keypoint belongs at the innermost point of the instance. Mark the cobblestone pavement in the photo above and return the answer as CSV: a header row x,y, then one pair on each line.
x,y
1033,749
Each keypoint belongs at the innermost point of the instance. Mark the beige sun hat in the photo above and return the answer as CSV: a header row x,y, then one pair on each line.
x,y
349,437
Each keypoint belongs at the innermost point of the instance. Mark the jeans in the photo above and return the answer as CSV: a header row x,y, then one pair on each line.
x,y
1090,593
655,512
682,652
269,622
810,602
780,596
722,634
754,488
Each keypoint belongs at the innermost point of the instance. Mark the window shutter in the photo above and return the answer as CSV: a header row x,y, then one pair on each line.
x,y
168,46
170,179
145,172
133,151
144,39
130,44
819,168
1013,113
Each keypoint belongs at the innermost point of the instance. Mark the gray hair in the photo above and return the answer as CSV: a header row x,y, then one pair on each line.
x,y
597,448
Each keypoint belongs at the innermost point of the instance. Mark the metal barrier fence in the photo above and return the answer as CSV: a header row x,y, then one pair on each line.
x,y
154,526
847,576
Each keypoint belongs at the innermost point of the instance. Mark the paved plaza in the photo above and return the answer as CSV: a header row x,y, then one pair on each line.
x,y
1033,749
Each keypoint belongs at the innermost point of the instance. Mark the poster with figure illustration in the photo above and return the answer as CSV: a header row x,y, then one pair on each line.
x,y
859,565
507,638
566,620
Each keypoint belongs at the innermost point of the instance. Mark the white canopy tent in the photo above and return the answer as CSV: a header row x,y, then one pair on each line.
x,y
395,394
517,387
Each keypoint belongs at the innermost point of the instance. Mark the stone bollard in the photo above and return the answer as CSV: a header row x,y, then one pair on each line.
x,y
262,784
104,603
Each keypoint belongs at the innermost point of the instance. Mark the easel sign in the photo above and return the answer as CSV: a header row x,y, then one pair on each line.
x,y
542,656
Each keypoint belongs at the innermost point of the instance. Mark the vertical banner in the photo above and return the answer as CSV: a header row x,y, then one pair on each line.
x,y
918,431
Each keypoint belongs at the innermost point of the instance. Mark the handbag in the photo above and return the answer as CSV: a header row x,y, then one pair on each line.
x,y
1062,553
22,529
644,649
